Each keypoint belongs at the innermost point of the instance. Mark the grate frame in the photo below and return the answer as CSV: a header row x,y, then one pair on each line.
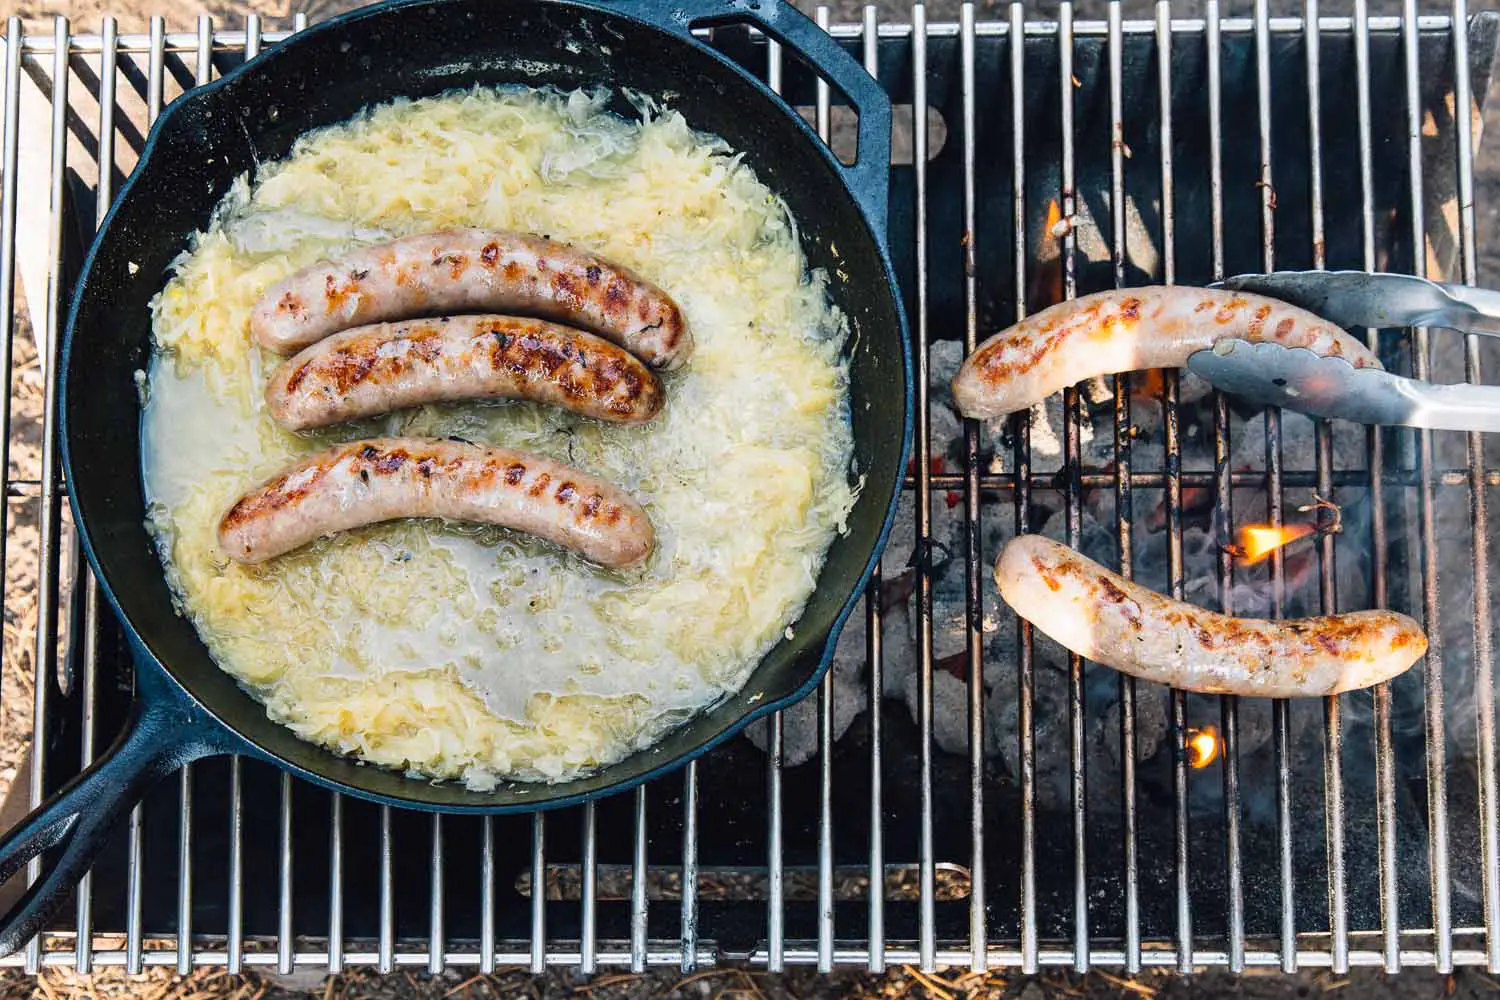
x,y
77,641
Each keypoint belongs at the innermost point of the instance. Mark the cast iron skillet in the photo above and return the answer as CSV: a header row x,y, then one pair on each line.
x,y
185,707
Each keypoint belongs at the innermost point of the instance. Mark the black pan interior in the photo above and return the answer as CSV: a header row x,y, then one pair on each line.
x,y
416,49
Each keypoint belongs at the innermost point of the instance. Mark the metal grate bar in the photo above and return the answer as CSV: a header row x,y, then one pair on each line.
x,y
589,920
668,956
538,955
49,543
486,900
1173,501
386,956
1280,709
690,867
973,556
1124,433
1385,773
8,262
824,111
92,597
252,43
927,916
284,943
336,883
1223,507
236,865
1437,769
135,883
1338,914
185,41
1021,427
1484,648
202,73
870,28
775,873
1072,432
1171,385
437,938
486,894
639,924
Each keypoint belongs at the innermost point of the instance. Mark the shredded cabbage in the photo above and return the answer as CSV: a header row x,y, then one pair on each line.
x,y
472,653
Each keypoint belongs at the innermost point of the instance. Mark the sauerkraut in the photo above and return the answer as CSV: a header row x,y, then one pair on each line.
x,y
454,651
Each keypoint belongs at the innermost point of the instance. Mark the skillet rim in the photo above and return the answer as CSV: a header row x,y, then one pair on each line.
x,y
144,654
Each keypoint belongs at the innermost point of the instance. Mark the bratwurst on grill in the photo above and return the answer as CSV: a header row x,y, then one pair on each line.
x,y
1126,330
382,479
473,270
389,366
1104,617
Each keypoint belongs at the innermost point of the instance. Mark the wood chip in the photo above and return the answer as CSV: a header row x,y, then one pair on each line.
x,y
936,986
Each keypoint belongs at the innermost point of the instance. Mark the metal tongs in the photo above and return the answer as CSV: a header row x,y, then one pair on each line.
x,y
1298,379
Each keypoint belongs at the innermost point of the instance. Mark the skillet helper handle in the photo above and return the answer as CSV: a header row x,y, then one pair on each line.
x,y
164,732
869,175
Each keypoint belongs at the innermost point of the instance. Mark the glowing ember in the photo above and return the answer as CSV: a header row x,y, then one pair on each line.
x,y
1202,746
1257,541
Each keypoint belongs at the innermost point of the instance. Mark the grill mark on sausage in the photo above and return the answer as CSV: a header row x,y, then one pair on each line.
x,y
1167,641
334,380
616,295
1127,330
336,294
273,497
292,305
1052,582
470,471
433,273
1258,322
565,291
1114,595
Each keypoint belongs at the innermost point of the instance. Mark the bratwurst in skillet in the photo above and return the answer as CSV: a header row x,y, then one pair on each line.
x,y
429,614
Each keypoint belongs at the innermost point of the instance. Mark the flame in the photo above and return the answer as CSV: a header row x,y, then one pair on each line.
x,y
1202,746
1046,286
1054,225
1257,541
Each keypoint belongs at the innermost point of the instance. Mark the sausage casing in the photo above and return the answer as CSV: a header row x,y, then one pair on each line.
x,y
473,270
1126,330
382,479
1104,617
389,366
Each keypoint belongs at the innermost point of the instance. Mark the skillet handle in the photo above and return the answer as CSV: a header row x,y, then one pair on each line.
x,y
165,730
869,176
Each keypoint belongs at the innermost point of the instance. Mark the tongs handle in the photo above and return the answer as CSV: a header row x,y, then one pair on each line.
x,y
1378,299
1483,306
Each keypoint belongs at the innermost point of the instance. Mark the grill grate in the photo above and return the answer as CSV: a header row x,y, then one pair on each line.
x,y
1319,839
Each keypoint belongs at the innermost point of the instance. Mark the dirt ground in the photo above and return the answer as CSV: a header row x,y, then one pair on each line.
x,y
729,984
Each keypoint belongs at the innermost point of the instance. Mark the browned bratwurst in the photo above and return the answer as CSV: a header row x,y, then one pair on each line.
x,y
388,366
1130,329
382,479
473,270
1106,618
